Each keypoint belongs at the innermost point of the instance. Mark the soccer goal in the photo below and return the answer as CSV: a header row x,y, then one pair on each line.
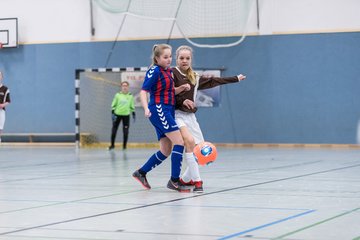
x,y
94,91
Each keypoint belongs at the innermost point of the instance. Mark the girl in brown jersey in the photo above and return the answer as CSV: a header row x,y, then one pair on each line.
x,y
186,108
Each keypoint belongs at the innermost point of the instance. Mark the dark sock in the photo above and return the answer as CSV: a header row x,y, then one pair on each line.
x,y
176,159
156,159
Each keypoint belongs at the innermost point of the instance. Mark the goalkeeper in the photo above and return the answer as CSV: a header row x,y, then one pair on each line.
x,y
121,107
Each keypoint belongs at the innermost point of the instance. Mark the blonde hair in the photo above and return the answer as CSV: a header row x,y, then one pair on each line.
x,y
158,49
190,74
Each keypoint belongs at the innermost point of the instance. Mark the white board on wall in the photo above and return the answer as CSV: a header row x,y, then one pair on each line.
x,y
9,32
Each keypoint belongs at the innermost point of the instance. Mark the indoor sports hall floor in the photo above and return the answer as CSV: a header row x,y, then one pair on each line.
x,y
250,193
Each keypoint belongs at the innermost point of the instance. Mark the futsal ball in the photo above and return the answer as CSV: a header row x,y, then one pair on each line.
x,y
205,153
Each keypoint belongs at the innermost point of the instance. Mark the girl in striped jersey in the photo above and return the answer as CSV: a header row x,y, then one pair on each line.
x,y
160,110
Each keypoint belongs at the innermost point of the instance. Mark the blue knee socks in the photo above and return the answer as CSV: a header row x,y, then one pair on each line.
x,y
176,159
156,159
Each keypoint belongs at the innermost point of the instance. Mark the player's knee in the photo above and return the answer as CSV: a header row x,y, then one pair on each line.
x,y
179,141
166,146
165,150
189,143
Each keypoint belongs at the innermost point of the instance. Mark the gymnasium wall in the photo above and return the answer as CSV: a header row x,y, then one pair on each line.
x,y
300,88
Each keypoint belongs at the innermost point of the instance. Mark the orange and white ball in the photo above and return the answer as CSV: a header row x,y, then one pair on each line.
x,y
205,153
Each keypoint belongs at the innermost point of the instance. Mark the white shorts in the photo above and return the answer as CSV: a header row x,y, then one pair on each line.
x,y
189,120
2,119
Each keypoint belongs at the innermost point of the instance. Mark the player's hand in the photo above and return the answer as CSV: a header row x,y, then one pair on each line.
x,y
241,77
189,104
182,88
113,117
186,86
147,113
134,116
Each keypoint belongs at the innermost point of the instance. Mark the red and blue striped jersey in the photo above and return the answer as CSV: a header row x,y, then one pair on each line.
x,y
160,84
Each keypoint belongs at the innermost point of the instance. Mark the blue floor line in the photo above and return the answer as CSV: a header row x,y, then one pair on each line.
x,y
266,225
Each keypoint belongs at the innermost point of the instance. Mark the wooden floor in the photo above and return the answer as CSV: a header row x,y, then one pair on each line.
x,y
250,193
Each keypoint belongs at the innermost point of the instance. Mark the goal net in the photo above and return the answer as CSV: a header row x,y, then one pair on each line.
x,y
196,21
95,89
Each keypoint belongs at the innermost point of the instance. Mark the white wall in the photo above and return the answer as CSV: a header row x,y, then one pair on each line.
x,y
42,21
315,16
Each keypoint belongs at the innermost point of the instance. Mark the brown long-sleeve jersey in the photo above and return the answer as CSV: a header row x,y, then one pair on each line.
x,y
203,82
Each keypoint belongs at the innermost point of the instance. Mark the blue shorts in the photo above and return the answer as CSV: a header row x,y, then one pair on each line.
x,y
163,119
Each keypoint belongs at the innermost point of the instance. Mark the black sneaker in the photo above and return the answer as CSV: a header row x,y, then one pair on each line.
x,y
111,148
178,186
198,187
141,179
